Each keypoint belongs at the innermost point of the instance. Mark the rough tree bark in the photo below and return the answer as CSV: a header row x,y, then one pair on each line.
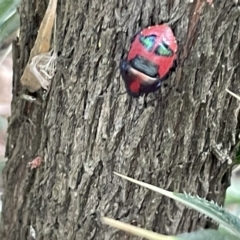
x,y
168,140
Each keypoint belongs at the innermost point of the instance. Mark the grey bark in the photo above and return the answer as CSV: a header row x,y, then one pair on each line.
x,y
168,140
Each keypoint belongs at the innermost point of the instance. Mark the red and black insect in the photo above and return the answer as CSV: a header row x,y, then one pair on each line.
x,y
151,56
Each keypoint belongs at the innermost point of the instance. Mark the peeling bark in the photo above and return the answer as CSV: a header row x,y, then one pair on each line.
x,y
167,139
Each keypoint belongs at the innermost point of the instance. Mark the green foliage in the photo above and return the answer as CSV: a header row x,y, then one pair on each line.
x,y
238,155
212,210
9,18
230,224
233,191
207,234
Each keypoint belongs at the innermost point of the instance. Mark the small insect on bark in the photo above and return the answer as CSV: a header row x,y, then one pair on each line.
x,y
151,57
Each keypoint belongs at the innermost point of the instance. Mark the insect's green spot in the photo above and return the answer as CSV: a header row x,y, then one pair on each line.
x,y
164,50
148,41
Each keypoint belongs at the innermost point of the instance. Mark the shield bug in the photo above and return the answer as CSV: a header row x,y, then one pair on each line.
x,y
151,56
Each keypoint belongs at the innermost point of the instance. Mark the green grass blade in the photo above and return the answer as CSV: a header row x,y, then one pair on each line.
x,y
9,27
207,234
7,8
210,209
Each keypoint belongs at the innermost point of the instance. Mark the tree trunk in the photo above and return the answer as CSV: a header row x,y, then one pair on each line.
x,y
170,138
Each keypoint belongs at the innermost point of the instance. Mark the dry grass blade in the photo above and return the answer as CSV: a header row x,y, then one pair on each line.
x,y
136,230
31,77
233,94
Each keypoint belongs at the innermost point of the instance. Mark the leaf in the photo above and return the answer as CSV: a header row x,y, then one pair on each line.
x,y
9,27
136,230
210,209
207,234
232,196
7,8
9,18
